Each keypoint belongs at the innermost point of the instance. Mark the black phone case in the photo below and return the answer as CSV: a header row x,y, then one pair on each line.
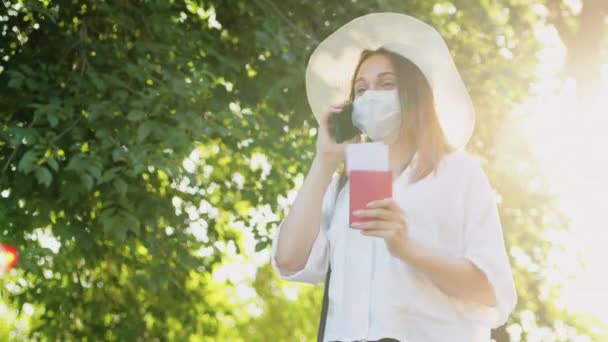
x,y
341,125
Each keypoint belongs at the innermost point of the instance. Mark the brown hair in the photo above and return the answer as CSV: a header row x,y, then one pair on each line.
x,y
420,121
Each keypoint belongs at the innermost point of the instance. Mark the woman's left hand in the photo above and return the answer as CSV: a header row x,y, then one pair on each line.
x,y
387,220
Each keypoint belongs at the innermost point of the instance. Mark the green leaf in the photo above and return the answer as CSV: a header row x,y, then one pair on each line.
x,y
28,161
108,175
118,154
44,176
21,135
76,164
260,245
53,119
88,181
136,115
16,81
26,69
120,186
95,168
113,224
120,234
143,131
53,163
97,82
131,223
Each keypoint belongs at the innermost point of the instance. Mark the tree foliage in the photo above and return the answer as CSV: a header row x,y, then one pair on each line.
x,y
143,143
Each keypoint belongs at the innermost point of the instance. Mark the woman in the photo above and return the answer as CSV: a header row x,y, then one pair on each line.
x,y
431,263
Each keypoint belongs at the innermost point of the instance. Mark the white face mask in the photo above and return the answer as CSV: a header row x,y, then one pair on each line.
x,y
377,113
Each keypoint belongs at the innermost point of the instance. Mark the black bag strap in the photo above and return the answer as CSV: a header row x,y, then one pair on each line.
x,y
323,319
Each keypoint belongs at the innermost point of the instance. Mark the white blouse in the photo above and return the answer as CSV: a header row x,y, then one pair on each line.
x,y
373,294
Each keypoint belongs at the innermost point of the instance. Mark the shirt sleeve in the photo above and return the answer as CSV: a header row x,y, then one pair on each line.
x,y
485,248
317,264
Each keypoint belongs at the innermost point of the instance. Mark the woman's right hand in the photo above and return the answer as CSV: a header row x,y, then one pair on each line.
x,y
329,151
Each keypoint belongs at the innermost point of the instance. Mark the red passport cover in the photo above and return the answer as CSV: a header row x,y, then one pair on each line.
x,y
367,186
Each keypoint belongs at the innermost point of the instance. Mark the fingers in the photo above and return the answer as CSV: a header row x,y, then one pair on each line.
x,y
386,234
388,203
385,230
385,219
336,108
376,225
381,213
386,208
342,104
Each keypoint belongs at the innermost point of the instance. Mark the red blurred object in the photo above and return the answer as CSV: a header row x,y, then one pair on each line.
x,y
8,257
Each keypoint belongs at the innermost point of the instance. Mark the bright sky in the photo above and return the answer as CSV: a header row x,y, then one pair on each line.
x,y
569,138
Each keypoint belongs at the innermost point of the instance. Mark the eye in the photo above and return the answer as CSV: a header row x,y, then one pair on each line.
x,y
359,91
388,84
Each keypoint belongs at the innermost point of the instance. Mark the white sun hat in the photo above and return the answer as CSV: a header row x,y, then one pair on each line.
x,y
331,66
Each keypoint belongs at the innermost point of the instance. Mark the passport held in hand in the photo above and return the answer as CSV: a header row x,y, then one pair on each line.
x,y
369,175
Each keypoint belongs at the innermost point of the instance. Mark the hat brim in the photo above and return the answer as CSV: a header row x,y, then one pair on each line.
x,y
331,66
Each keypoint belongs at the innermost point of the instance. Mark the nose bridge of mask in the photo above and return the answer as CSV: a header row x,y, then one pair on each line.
x,y
377,113
379,103
377,96
375,106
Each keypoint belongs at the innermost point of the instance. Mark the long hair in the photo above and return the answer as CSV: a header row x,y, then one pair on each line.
x,y
421,124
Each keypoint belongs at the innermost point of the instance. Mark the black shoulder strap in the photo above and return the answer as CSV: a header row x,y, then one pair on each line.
x,y
323,320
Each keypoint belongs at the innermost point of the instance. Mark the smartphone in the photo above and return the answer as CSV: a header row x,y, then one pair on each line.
x,y
341,126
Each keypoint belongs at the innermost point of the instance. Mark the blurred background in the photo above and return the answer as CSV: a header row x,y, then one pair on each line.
x,y
148,150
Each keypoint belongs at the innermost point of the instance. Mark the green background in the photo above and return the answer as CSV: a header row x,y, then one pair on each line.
x,y
101,103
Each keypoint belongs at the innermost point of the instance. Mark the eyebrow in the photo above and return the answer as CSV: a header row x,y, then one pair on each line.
x,y
379,75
